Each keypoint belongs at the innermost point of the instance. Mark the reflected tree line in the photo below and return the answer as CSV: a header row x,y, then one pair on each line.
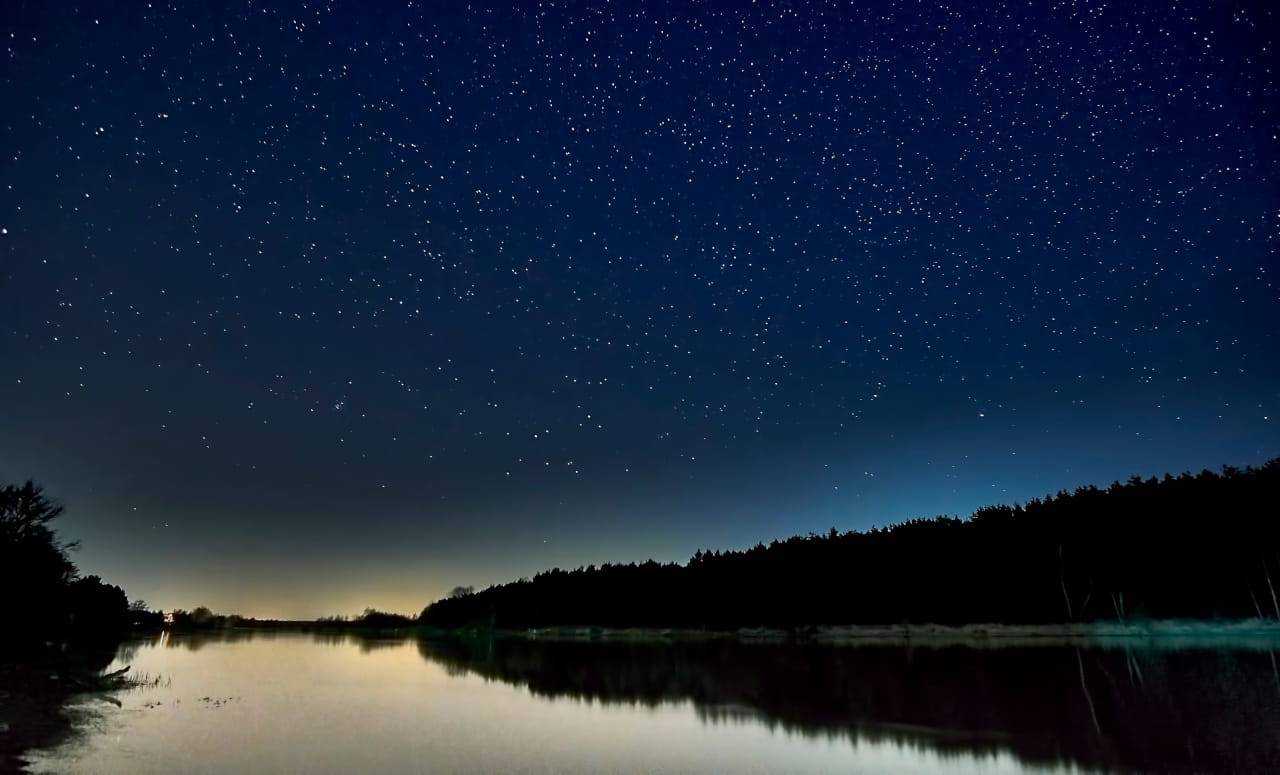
x,y
1199,546
1117,705
1151,710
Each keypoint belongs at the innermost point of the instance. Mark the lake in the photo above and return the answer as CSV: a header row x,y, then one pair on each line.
x,y
297,702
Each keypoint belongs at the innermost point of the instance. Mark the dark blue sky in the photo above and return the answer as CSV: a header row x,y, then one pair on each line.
x,y
311,306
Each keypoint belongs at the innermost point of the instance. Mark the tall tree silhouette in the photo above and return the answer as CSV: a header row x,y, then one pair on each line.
x,y
35,569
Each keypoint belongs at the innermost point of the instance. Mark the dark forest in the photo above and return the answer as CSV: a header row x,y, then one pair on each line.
x,y
1200,546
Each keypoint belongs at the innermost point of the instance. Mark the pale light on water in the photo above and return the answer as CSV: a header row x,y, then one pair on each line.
x,y
291,703
278,702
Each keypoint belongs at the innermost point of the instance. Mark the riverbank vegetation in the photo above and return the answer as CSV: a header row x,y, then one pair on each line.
x,y
202,619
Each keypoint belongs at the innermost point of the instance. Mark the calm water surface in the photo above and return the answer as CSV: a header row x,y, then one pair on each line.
x,y
305,703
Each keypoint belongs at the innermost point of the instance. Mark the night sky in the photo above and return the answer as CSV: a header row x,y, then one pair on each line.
x,y
311,306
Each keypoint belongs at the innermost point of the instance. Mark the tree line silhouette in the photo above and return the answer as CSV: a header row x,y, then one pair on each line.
x,y
202,619
1199,546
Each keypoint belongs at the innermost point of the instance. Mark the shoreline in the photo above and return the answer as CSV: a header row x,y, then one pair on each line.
x,y
1174,633
1159,633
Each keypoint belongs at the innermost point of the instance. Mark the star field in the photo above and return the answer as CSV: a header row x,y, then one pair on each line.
x,y
434,294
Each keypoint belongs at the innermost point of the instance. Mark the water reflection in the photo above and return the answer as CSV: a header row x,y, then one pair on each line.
x,y
1130,708
198,640
1203,706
